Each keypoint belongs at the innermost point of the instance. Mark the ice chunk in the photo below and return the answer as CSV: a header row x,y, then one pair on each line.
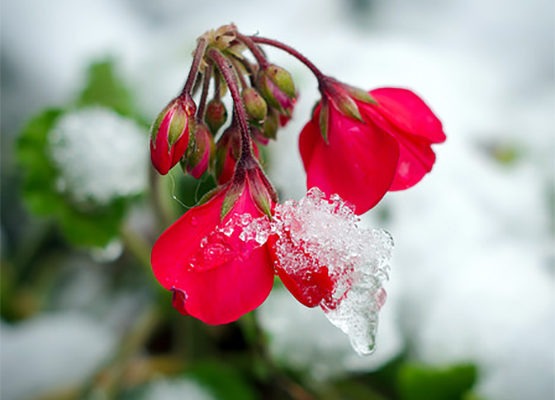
x,y
316,236
99,155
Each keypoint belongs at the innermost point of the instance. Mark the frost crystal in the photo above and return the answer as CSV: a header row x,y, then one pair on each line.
x,y
99,155
326,231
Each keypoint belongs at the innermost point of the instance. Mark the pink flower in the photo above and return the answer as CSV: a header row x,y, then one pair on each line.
x,y
169,135
216,272
361,146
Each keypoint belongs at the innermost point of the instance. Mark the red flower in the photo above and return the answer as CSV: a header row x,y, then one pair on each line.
x,y
216,272
360,149
169,135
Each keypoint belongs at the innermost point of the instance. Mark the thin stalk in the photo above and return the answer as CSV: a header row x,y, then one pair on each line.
x,y
193,72
204,94
254,49
299,56
226,68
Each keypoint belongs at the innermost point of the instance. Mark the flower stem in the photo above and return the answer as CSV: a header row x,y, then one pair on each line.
x,y
253,47
299,56
226,68
195,66
204,94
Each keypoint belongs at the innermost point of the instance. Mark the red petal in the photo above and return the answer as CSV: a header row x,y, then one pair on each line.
x,y
232,278
407,118
309,286
406,111
416,159
358,163
309,137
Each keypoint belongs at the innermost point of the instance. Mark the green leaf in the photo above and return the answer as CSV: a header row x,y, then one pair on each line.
x,y
225,382
418,382
105,88
95,226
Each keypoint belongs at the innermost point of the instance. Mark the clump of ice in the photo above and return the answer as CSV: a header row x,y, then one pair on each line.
x,y
99,154
328,231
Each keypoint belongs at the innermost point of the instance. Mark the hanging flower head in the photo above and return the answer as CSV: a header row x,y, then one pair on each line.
x,y
216,271
362,145
220,258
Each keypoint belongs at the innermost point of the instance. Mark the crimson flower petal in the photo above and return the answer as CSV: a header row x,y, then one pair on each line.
x,y
358,162
415,127
214,277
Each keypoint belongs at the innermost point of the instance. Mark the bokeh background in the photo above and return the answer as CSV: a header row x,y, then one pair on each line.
x,y
470,311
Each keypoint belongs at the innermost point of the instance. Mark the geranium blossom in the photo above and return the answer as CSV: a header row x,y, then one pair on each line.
x,y
385,144
215,274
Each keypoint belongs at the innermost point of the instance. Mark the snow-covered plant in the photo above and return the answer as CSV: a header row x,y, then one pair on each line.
x,y
219,259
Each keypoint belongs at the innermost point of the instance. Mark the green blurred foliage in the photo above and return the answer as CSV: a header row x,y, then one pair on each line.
x,y
418,382
93,225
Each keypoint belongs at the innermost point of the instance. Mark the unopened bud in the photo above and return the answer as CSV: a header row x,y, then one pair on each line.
x,y
200,151
169,135
215,115
270,126
282,79
276,86
227,153
255,105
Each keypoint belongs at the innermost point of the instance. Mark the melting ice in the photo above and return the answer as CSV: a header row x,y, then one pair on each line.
x,y
357,260
329,232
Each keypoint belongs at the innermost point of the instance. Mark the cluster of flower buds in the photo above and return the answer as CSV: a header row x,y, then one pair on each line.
x,y
263,96
358,145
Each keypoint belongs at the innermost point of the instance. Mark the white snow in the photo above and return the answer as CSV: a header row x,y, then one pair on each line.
x,y
302,338
50,352
356,258
99,154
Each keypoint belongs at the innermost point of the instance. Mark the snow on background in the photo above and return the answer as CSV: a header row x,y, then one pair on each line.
x,y
472,271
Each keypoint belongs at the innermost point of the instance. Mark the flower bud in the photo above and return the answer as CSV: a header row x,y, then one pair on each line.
x,y
200,152
215,115
169,135
255,105
277,87
270,126
228,148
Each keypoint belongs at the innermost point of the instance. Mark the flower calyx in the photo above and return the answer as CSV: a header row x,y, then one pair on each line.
x,y
277,87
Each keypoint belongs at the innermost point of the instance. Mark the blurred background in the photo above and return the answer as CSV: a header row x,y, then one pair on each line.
x,y
470,311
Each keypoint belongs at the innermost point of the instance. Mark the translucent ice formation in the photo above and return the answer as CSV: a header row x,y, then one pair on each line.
x,y
99,155
337,263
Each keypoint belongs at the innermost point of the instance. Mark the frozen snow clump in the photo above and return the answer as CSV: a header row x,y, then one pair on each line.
x,y
100,156
319,234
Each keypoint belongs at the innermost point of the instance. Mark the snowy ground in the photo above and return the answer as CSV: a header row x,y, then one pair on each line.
x,y
472,272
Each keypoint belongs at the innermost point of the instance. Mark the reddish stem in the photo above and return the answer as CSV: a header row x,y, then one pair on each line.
x,y
299,56
204,93
193,72
226,68
255,50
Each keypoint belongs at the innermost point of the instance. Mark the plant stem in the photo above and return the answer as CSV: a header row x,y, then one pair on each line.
x,y
255,50
299,56
193,72
204,94
226,68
